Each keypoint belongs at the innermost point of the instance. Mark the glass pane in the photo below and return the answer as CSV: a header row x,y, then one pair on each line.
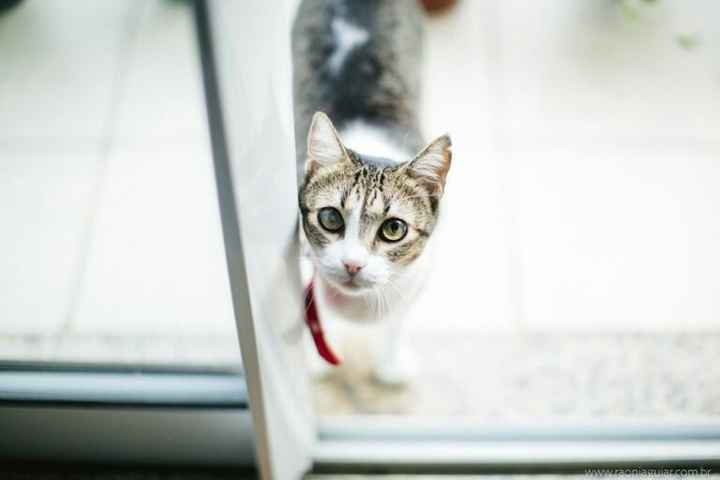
x,y
111,239
576,271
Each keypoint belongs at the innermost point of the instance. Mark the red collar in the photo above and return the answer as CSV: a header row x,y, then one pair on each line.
x,y
313,322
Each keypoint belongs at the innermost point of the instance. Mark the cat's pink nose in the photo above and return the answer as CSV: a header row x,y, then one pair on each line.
x,y
352,268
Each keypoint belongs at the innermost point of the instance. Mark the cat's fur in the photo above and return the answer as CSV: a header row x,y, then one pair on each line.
x,y
358,61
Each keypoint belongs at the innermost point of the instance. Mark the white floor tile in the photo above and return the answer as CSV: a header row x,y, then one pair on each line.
x,y
581,193
619,240
44,205
470,287
59,67
162,98
156,265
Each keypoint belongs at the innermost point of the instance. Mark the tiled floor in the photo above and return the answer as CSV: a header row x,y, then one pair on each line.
x,y
506,378
577,257
110,221
582,208
583,188
582,196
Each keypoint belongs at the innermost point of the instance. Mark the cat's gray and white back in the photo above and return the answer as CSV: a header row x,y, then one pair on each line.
x,y
358,61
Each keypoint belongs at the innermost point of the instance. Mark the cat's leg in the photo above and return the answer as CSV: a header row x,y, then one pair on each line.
x,y
394,361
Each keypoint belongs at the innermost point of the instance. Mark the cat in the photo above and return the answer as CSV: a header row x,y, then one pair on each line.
x,y
369,188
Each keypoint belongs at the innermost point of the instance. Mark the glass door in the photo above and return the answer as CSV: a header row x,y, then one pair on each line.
x,y
124,288
115,306
111,242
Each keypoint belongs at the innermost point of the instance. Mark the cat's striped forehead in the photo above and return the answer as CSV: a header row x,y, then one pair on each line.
x,y
378,188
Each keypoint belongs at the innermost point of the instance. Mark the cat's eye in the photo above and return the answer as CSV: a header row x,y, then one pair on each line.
x,y
330,219
393,230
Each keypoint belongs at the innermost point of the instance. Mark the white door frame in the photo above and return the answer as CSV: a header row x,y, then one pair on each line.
x,y
247,69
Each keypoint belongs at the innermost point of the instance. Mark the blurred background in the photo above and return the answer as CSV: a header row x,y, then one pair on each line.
x,y
112,248
578,269
577,274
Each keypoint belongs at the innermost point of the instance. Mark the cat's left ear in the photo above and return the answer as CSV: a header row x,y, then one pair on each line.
x,y
324,147
431,165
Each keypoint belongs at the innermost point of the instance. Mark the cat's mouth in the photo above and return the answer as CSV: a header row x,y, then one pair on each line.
x,y
355,285
351,286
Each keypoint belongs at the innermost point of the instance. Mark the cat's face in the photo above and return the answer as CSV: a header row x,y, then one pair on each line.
x,y
367,219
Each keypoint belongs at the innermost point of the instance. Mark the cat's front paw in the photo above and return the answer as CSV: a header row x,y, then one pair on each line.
x,y
398,371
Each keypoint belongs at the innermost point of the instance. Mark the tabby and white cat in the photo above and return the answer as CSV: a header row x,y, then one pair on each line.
x,y
369,193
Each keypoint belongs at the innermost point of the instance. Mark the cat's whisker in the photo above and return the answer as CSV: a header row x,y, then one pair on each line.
x,y
378,303
385,302
366,302
397,290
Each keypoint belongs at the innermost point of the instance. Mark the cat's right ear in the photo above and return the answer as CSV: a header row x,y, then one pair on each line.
x,y
324,147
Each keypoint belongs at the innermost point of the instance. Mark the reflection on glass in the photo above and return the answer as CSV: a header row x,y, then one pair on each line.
x,y
111,241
